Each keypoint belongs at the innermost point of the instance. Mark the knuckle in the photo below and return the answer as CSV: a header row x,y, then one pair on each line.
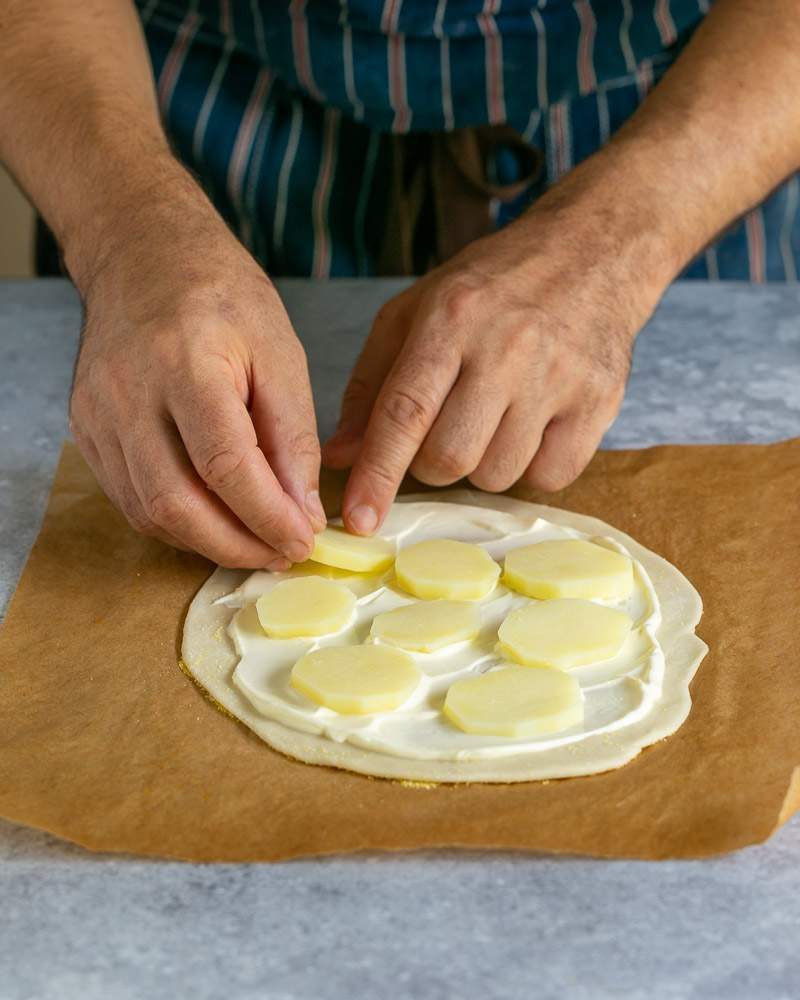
x,y
522,337
305,444
167,350
546,480
457,300
493,478
551,478
408,409
605,373
453,463
220,468
169,509
598,401
519,346
442,466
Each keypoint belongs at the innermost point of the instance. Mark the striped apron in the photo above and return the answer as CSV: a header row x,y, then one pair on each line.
x,y
292,113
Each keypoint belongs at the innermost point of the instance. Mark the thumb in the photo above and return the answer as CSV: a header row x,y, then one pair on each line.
x,y
282,409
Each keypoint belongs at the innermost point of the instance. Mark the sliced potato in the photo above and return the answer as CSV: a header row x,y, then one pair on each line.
x,y
305,606
426,626
442,568
337,547
515,702
356,680
563,634
568,568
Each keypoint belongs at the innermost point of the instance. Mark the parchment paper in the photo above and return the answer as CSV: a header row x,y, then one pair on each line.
x,y
104,741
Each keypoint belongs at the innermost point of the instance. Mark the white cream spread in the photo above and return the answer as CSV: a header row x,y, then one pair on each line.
x,y
616,692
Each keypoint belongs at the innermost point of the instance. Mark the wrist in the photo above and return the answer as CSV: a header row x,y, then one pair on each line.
x,y
136,203
612,208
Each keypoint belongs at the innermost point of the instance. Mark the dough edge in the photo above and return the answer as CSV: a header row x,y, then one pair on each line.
x,y
210,659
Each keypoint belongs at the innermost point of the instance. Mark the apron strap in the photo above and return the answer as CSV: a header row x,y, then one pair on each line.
x,y
449,170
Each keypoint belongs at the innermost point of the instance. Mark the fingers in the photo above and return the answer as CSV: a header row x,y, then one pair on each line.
x,y
108,463
510,451
220,439
404,411
568,444
461,433
175,500
373,365
286,428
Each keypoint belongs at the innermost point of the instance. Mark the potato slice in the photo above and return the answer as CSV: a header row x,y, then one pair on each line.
x,y
306,606
568,568
311,568
515,702
427,626
337,547
356,680
447,569
563,634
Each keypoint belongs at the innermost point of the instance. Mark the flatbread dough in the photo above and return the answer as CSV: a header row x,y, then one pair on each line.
x,y
209,656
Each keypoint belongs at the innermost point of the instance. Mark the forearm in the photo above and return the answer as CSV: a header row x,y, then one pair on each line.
x,y
79,123
509,361
716,135
723,127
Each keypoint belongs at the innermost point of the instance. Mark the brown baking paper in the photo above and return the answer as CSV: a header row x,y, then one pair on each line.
x,y
104,741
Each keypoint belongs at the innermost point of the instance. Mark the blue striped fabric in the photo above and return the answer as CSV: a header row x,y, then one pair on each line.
x,y
285,109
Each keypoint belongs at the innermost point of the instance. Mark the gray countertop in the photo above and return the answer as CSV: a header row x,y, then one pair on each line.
x,y
716,364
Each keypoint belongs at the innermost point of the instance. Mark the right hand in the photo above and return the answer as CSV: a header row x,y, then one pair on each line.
x,y
191,399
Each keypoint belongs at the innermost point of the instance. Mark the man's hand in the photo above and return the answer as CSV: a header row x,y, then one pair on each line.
x,y
191,399
509,362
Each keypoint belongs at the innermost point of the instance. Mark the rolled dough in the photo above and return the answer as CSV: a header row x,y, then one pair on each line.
x,y
210,658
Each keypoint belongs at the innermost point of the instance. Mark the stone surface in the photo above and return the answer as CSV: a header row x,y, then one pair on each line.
x,y
716,364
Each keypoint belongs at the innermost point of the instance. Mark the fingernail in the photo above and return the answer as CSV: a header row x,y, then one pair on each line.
x,y
278,565
295,550
363,518
314,507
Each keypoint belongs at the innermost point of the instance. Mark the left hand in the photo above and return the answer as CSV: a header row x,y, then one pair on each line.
x,y
507,363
